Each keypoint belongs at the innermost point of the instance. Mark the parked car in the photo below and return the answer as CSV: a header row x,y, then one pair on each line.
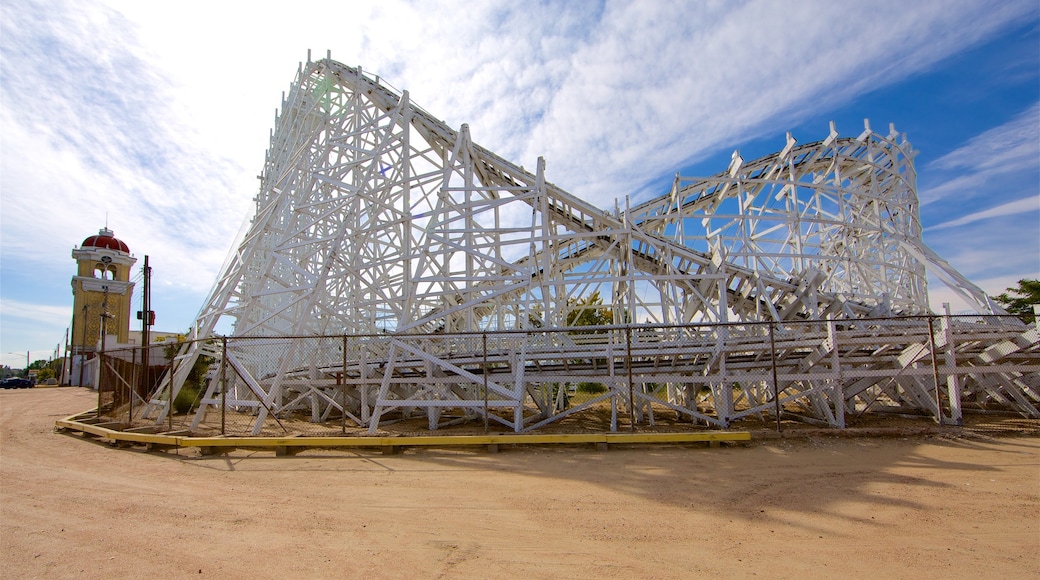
x,y
16,383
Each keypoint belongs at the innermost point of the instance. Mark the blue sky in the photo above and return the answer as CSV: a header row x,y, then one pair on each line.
x,y
155,116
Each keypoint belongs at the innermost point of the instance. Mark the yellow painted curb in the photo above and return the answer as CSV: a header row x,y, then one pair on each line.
x,y
71,423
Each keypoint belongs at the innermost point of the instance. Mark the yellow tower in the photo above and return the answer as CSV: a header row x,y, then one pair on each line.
x,y
101,291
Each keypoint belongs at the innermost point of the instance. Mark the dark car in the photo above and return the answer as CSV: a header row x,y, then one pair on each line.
x,y
16,383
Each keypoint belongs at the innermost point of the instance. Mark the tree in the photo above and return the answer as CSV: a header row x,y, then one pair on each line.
x,y
588,311
194,384
44,369
1028,294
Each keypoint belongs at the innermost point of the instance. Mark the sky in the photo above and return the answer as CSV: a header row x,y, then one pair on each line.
x,y
154,117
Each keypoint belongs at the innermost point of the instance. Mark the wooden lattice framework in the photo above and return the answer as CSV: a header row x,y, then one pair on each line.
x,y
375,219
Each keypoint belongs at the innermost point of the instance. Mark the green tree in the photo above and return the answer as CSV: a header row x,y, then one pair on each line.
x,y
1028,294
194,383
44,369
588,311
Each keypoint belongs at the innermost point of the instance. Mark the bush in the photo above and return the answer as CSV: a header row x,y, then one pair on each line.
x,y
185,399
592,388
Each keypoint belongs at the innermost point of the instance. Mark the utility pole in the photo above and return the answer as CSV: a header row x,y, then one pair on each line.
x,y
146,322
83,346
101,356
64,358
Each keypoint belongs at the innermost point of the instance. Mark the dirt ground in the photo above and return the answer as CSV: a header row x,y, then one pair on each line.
x,y
922,507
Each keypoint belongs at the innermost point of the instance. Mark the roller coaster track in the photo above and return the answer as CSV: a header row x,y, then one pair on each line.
x,y
406,244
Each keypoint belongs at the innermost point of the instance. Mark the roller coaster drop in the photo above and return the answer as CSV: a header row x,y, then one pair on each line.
x,y
446,279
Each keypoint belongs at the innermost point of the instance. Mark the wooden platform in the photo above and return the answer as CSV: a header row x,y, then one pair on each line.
x,y
289,445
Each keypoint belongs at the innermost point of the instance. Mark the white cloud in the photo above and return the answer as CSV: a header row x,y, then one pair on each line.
x,y
90,137
652,89
28,311
1029,205
998,243
1011,148
980,251
157,114
38,326
939,293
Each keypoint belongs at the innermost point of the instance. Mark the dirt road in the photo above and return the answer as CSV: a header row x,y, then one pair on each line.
x,y
868,508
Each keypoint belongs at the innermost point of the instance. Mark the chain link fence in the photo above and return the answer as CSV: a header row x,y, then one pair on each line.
x,y
832,373
128,377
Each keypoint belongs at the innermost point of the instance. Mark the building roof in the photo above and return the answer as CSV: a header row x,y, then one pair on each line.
x,y
105,239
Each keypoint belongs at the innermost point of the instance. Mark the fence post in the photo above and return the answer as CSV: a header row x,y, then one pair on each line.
x,y
485,373
223,384
100,373
935,369
343,384
776,382
953,384
839,406
631,387
145,385
130,389
169,402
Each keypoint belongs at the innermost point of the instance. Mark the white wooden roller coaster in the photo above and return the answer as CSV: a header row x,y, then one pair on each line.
x,y
394,267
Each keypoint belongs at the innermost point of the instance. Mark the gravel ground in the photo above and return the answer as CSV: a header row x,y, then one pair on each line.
x,y
818,505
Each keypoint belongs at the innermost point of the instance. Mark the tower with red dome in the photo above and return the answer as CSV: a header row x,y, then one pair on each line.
x,y
101,291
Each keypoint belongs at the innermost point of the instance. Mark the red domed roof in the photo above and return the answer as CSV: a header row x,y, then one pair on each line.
x,y
105,239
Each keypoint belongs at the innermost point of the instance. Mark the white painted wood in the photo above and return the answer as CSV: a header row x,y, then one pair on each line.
x,y
377,221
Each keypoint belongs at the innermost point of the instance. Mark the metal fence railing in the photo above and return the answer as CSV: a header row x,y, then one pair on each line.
x,y
833,373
